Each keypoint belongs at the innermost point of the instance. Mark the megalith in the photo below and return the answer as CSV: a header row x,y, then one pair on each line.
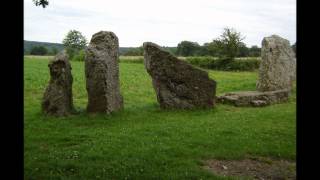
x,y
102,73
277,72
278,64
57,99
178,85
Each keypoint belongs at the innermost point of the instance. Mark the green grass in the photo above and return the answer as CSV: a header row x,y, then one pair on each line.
x,y
143,141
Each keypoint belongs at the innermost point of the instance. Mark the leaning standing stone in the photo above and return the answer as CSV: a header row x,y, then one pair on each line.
x,y
178,85
278,66
57,98
102,73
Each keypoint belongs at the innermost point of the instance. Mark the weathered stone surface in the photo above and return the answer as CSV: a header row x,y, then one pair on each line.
x,y
255,98
278,66
178,85
57,99
102,73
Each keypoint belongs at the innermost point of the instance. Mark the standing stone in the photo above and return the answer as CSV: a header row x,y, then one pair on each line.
x,y
102,73
278,66
57,98
178,85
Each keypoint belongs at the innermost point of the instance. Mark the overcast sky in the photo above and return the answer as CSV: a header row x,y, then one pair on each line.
x,y
165,22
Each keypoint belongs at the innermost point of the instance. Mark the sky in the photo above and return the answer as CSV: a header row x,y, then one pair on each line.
x,y
165,22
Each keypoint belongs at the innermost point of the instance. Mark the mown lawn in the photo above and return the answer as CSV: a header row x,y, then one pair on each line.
x,y
142,141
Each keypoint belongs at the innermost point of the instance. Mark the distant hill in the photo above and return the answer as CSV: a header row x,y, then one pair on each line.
x,y
29,44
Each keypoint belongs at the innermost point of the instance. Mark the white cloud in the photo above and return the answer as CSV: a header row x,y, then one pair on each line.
x,y
165,22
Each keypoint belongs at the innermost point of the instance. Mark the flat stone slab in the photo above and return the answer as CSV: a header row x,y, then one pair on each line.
x,y
254,98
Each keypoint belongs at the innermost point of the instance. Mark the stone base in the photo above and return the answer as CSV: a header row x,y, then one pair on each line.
x,y
254,98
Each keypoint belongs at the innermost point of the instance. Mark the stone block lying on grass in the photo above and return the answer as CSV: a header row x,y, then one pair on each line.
x,y
254,98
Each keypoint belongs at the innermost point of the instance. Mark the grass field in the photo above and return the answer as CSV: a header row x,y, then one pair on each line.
x,y
142,141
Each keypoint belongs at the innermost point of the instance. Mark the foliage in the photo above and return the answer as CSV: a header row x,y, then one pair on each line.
x,y
209,49
143,141
134,52
228,43
239,64
50,46
74,42
172,50
54,51
228,46
255,51
244,51
74,39
131,59
39,50
80,56
187,48
42,3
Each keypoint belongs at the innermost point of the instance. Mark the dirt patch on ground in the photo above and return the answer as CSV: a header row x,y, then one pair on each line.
x,y
253,168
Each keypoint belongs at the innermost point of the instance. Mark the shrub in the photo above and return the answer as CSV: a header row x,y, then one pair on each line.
x,y
239,64
128,59
39,50
79,56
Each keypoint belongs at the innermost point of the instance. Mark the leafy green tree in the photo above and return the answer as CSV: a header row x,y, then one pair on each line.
x,y
202,51
229,42
42,3
54,51
212,48
172,50
25,51
134,52
187,48
39,50
254,51
74,42
80,56
243,50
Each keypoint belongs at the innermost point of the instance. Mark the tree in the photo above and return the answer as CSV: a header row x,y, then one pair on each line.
x,y
254,51
42,3
134,52
74,42
172,50
243,50
25,51
187,48
229,43
80,56
54,51
39,50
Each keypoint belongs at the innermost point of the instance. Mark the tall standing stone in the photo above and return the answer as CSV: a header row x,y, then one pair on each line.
x,y
102,73
57,99
178,85
278,65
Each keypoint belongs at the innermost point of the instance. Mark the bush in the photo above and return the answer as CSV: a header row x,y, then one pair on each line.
x,y
128,59
79,56
39,50
239,64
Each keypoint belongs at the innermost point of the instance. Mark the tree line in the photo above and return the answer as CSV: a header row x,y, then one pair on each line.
x,y
227,46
